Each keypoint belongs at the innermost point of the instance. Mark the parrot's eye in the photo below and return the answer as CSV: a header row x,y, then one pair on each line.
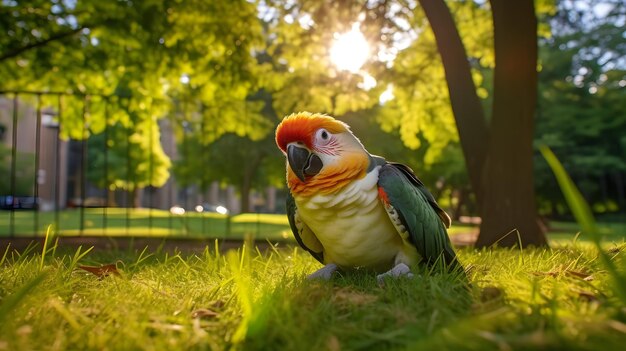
x,y
322,136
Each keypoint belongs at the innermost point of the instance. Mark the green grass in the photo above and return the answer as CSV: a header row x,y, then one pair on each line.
x,y
146,222
559,298
608,231
159,223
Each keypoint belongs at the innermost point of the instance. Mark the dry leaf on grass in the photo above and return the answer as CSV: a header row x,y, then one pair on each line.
x,y
204,313
550,273
101,271
569,272
587,295
582,275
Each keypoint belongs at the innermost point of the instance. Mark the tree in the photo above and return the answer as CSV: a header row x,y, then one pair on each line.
x,y
116,60
128,157
231,159
146,53
141,47
508,201
501,173
468,112
246,158
300,75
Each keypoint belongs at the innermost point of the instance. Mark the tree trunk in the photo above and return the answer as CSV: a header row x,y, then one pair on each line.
x,y
246,184
508,202
270,194
134,196
460,201
466,106
604,188
111,198
245,194
130,198
137,198
619,183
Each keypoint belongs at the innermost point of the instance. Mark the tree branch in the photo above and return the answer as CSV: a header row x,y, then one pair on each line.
x,y
58,36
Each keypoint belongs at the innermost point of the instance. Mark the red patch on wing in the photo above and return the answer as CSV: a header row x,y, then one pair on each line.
x,y
302,126
383,195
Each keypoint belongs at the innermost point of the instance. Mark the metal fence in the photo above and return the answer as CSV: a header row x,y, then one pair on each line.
x,y
49,143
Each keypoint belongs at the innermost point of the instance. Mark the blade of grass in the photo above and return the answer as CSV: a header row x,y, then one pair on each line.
x,y
578,205
45,247
11,301
78,255
25,254
584,217
6,252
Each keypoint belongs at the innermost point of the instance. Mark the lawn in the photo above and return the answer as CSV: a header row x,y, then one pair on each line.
x,y
559,298
159,223
145,222
608,230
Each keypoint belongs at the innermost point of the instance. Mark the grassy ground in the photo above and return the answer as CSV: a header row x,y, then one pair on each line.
x,y
159,223
145,222
609,231
561,298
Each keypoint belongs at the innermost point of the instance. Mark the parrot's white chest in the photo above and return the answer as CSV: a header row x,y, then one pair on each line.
x,y
353,226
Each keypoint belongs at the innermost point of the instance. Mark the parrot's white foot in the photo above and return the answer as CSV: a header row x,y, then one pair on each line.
x,y
400,270
324,273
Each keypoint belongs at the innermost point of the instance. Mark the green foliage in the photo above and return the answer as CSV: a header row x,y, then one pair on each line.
x,y
247,158
139,49
581,106
230,159
300,74
133,158
421,109
404,56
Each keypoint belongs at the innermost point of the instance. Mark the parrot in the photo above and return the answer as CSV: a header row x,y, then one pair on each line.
x,y
352,210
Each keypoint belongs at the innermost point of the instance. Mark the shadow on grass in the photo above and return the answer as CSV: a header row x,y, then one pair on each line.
x,y
351,311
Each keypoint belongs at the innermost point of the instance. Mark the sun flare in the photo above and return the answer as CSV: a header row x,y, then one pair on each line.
x,y
350,50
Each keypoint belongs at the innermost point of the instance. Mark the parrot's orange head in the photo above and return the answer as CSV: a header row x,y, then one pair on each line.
x,y
322,153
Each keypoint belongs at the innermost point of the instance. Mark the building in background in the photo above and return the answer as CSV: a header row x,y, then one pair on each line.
x,y
51,175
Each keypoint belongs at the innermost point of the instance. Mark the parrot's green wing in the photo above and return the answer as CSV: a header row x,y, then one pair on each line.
x,y
415,212
303,234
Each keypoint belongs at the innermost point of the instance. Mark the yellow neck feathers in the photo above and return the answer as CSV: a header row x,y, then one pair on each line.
x,y
332,178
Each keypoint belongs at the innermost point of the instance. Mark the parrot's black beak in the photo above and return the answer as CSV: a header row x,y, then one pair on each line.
x,y
302,162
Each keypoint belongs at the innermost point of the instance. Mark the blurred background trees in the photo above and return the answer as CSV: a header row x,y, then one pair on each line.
x,y
582,104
